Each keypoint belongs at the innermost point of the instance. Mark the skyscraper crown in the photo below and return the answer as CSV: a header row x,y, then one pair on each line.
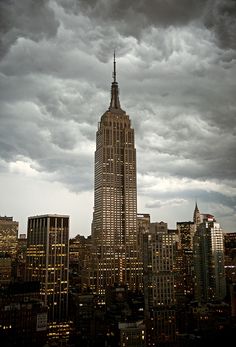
x,y
115,102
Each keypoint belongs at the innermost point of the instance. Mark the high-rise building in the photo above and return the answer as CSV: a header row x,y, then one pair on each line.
x,y
48,262
8,236
210,282
159,284
114,227
143,226
184,262
230,256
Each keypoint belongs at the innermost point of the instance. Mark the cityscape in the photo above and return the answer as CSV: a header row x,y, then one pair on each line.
x,y
117,217
132,282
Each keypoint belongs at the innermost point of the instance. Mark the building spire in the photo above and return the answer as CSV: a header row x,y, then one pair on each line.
x,y
196,215
114,67
115,102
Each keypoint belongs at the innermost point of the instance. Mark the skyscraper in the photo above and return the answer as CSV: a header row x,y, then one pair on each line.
x,y
114,227
159,284
184,261
209,260
48,262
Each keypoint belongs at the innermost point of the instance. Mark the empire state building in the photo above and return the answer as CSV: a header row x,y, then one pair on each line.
x,y
114,227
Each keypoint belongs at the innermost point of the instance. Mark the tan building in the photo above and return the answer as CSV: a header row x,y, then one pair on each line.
x,y
114,227
8,236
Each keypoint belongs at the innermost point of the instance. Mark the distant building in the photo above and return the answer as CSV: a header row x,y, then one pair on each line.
x,y
143,226
143,221
230,269
184,262
159,285
5,270
197,219
210,283
8,236
230,256
48,262
79,259
20,274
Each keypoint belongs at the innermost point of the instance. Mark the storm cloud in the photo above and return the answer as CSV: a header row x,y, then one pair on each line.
x,y
30,19
176,69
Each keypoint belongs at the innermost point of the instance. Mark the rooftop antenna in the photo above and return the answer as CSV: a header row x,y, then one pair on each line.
x,y
114,69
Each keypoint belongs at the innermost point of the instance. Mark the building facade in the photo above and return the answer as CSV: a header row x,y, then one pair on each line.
x,y
48,262
210,280
230,256
159,285
184,262
23,316
8,236
79,256
114,227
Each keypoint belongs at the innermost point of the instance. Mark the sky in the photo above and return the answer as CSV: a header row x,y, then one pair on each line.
x,y
176,69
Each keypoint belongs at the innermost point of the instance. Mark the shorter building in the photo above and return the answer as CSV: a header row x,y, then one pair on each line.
x,y
20,266
132,334
23,316
8,236
5,270
233,299
83,310
79,259
230,257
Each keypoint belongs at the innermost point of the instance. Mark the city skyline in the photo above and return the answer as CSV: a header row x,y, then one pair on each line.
x,y
176,72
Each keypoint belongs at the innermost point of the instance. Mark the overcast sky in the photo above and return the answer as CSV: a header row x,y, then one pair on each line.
x,y
176,69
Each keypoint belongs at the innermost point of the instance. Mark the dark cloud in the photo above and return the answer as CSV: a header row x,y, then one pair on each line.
x,y
221,18
132,17
176,84
29,19
158,12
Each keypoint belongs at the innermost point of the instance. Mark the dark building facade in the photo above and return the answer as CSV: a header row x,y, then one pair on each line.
x,y
23,316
